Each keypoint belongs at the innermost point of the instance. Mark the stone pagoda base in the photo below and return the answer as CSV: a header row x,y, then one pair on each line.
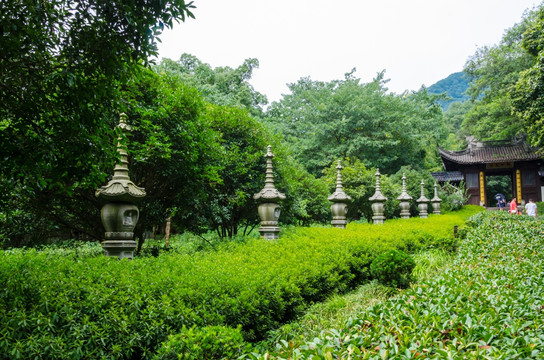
x,y
270,232
123,249
339,223
378,219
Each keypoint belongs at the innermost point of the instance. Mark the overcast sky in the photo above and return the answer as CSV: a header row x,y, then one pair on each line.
x,y
417,42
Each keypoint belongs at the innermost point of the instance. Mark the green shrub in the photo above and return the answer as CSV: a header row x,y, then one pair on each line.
x,y
540,208
487,304
55,305
393,268
206,343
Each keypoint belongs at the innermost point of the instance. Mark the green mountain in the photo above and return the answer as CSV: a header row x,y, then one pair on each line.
x,y
454,86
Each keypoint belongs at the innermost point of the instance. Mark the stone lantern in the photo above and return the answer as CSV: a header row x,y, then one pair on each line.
x,y
404,199
268,197
339,208
435,201
422,202
119,213
377,201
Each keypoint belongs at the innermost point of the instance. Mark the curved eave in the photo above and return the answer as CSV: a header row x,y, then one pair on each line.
x,y
488,156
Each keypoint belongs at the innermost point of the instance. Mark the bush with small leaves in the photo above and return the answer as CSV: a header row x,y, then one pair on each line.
x,y
393,268
205,343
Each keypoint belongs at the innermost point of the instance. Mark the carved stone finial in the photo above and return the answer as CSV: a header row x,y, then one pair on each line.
x,y
269,192
378,196
120,187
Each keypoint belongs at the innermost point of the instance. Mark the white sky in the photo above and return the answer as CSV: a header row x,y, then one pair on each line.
x,y
417,42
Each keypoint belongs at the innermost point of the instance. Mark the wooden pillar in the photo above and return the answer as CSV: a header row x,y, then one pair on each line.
x,y
518,185
482,188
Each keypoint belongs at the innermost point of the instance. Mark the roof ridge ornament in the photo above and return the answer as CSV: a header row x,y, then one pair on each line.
x,y
339,195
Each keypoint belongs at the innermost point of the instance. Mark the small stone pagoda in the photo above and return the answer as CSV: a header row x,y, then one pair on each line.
x,y
435,201
423,202
268,197
404,200
120,214
339,208
378,200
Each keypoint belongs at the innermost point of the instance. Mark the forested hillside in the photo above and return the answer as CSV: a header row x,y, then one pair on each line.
x,y
455,86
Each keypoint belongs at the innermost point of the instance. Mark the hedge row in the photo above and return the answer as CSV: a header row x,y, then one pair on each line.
x,y
96,307
488,305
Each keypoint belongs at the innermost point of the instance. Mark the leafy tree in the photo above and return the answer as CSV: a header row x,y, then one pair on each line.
x,y
172,147
528,94
454,118
60,65
326,121
220,86
493,71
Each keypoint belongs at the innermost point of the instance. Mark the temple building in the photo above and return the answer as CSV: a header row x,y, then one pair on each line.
x,y
514,160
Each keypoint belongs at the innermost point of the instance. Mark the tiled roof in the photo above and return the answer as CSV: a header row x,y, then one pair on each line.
x,y
491,152
452,176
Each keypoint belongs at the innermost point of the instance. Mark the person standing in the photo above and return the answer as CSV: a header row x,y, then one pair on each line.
x,y
514,206
530,209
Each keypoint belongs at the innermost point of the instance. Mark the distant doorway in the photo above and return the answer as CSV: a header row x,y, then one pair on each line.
x,y
498,184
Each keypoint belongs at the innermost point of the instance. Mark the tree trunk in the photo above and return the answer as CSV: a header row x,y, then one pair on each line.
x,y
141,238
167,233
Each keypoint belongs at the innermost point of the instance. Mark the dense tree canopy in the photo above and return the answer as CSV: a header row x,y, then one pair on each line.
x,y
326,121
493,71
60,66
528,95
221,85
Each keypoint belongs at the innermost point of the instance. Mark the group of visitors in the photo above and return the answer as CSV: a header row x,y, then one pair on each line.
x,y
530,207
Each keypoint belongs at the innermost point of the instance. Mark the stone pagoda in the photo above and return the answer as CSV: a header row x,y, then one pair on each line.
x,y
339,208
404,199
422,202
435,201
268,198
378,200
119,213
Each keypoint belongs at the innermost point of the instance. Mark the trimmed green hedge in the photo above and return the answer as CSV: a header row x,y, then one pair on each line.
x,y
68,308
487,305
